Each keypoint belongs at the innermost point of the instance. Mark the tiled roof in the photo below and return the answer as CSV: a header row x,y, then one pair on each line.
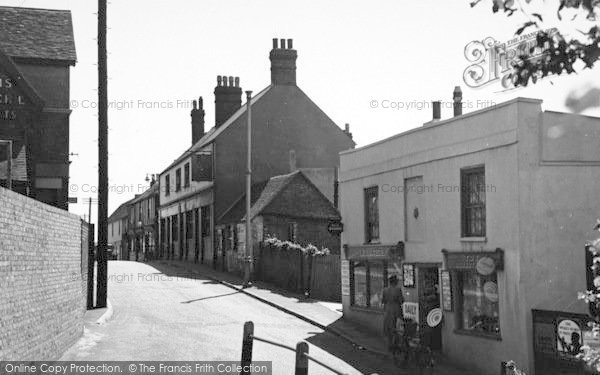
x,y
19,162
120,212
272,197
37,33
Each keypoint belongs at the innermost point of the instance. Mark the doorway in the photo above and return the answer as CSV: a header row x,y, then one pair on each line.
x,y
429,299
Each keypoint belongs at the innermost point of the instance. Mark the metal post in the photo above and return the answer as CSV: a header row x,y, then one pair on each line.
x,y
301,358
102,156
247,348
248,260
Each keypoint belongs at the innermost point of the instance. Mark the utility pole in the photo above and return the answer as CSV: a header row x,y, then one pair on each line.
x,y
102,157
248,260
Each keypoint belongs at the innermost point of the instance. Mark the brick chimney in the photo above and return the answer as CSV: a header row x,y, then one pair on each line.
x,y
197,120
283,63
437,110
457,98
228,98
347,130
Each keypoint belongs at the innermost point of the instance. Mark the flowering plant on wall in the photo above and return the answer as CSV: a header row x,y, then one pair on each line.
x,y
308,250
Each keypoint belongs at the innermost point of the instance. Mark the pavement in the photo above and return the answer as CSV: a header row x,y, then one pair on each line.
x,y
184,311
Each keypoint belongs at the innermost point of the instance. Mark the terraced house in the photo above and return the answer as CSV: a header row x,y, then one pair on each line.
x,y
37,49
208,178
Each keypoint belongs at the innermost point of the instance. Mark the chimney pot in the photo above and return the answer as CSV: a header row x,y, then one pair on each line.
x,y
282,42
231,81
237,81
200,103
347,128
228,98
437,110
290,44
218,80
197,121
194,105
283,64
274,43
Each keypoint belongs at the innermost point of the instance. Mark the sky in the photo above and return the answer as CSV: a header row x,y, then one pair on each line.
x,y
375,65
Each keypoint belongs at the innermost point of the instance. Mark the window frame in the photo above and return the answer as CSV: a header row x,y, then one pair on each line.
x,y
456,277
368,263
178,179
167,185
186,175
465,208
370,237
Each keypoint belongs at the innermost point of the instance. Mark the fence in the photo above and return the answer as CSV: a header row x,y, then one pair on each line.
x,y
291,270
302,356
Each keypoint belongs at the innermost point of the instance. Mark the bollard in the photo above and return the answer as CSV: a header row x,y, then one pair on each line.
x,y
301,358
247,348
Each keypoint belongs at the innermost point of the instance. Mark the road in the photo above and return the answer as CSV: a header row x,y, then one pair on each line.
x,y
161,317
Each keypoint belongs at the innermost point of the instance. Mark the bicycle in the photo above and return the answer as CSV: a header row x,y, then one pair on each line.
x,y
409,350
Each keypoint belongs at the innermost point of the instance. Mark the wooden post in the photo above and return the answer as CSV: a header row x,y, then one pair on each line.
x,y
301,358
90,266
247,348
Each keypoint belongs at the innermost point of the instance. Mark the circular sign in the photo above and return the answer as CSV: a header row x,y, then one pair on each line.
x,y
434,317
485,266
490,291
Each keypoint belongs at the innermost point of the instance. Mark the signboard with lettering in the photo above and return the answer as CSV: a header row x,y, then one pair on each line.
x,y
446,291
410,310
484,262
382,252
408,275
345,268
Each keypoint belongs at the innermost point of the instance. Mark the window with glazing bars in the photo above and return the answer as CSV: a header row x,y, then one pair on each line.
x,y
472,189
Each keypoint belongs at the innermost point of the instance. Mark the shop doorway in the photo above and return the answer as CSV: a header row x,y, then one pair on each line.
x,y
429,305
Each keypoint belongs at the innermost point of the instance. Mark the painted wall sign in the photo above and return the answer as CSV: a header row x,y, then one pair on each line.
x,y
446,291
410,310
345,270
10,99
408,275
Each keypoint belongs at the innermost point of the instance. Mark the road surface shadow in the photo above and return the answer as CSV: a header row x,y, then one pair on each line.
x,y
211,297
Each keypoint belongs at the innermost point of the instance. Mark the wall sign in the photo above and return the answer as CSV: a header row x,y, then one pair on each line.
x,y
345,268
374,252
484,262
10,99
446,291
408,275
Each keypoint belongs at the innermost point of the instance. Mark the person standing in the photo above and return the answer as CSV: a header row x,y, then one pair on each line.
x,y
392,300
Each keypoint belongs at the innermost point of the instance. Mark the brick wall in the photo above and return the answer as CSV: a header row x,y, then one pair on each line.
x,y
43,260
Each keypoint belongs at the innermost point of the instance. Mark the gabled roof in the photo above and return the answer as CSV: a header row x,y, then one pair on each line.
x,y
213,133
37,34
272,200
121,212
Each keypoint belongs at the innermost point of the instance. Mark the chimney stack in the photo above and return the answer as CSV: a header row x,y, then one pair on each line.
x,y
228,98
283,63
437,110
293,165
197,120
457,97
347,130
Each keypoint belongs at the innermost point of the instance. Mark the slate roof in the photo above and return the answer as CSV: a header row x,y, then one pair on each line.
x,y
37,33
121,212
271,200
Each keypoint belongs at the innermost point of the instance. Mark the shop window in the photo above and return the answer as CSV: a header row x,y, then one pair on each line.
x,y
478,303
371,215
174,222
473,202
368,279
205,221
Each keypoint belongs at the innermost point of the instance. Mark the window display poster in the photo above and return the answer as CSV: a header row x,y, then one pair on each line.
x,y
568,337
446,291
410,310
345,277
408,275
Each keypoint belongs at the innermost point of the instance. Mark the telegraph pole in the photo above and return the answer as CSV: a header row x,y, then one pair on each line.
x,y
248,255
102,157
